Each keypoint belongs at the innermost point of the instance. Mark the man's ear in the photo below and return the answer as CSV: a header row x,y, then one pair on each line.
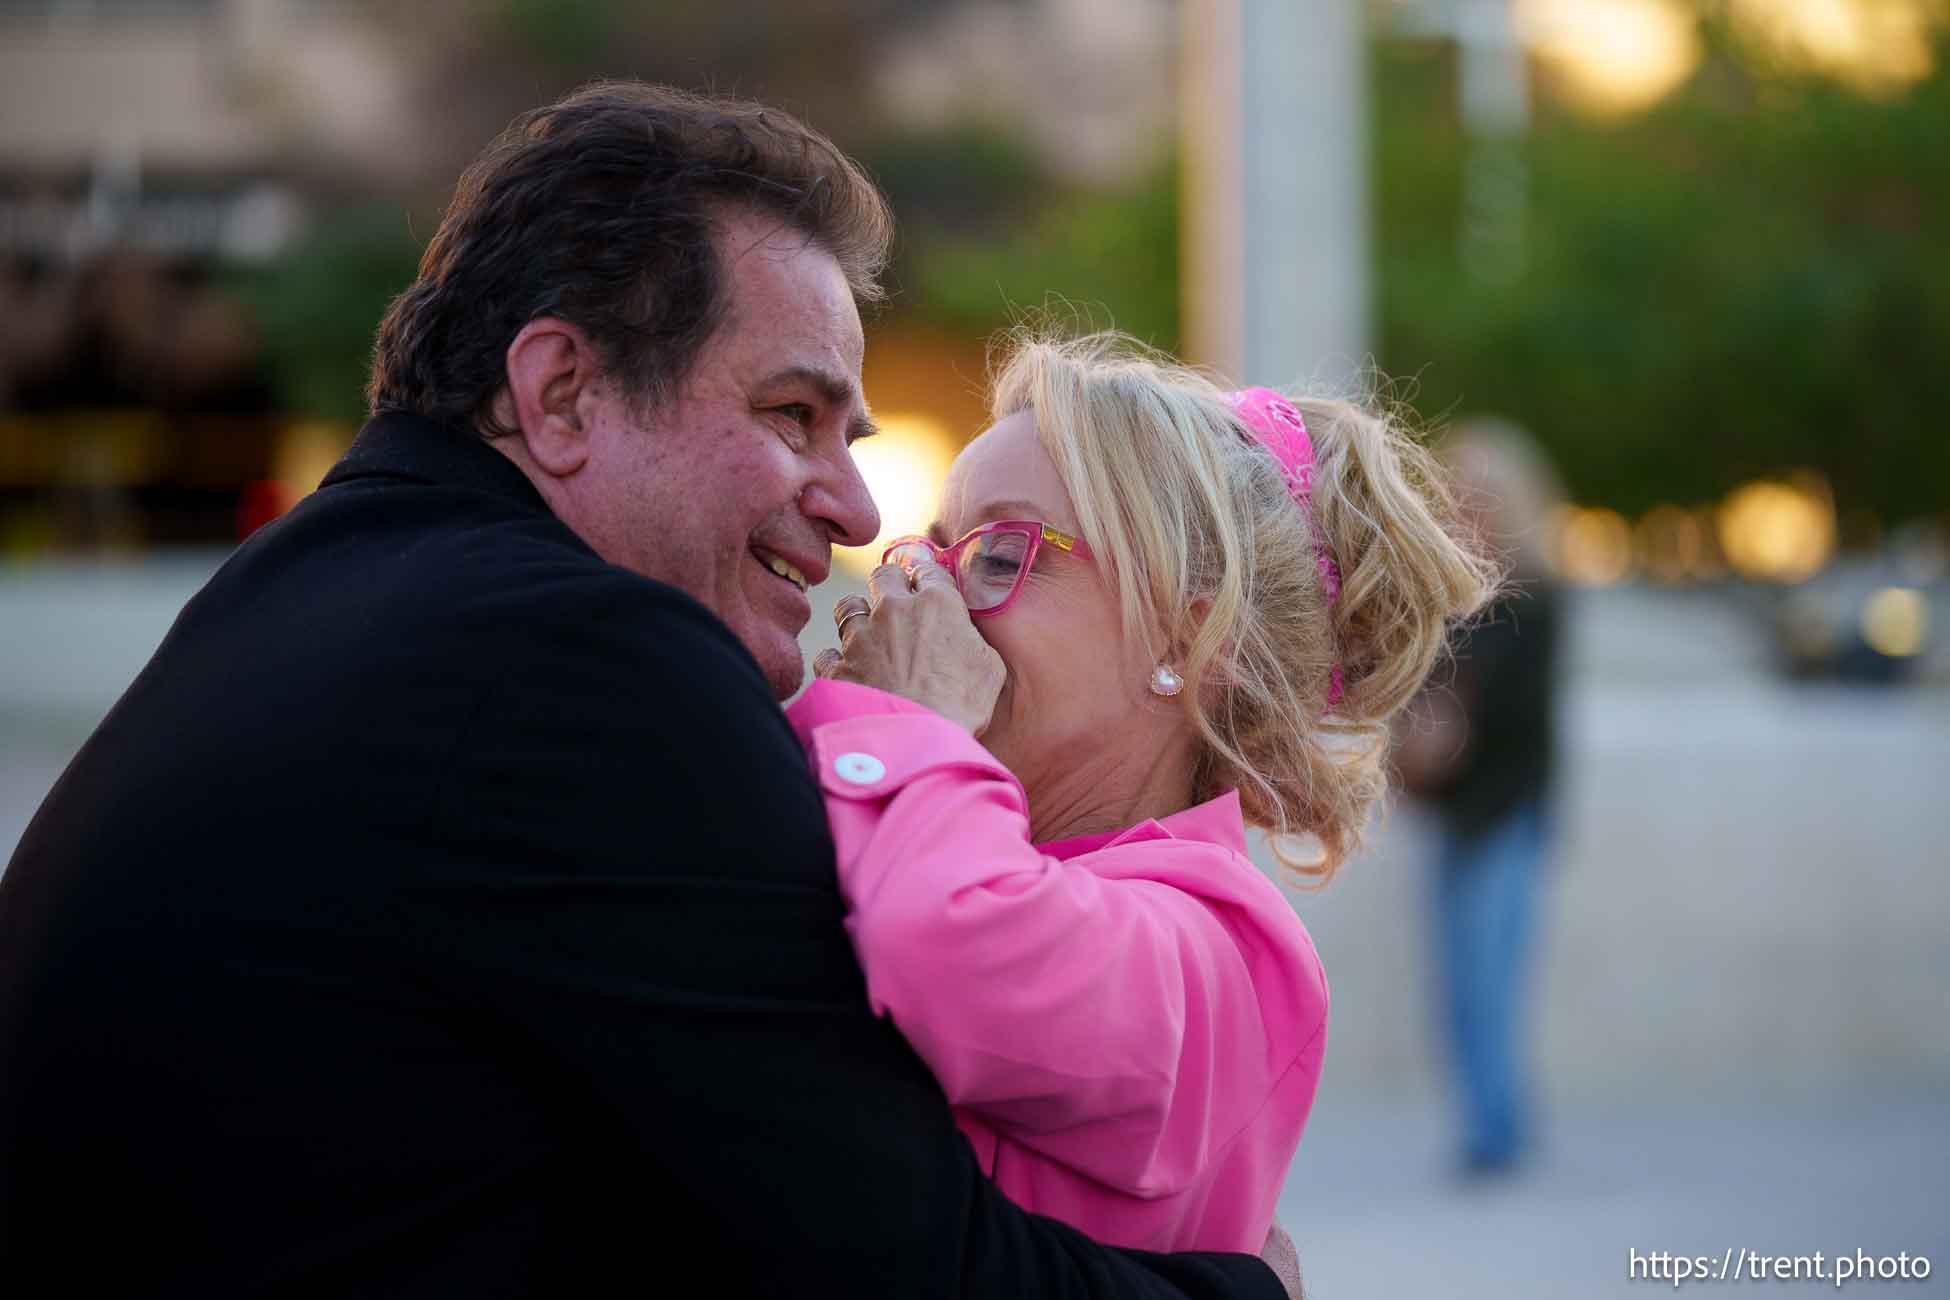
x,y
552,373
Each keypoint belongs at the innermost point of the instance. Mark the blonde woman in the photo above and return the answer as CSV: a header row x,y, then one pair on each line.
x,y
1151,614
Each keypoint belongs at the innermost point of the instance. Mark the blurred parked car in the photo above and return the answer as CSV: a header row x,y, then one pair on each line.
x,y
1874,620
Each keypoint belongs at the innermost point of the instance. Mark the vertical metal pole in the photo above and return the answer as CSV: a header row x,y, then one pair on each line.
x,y
1276,258
1212,198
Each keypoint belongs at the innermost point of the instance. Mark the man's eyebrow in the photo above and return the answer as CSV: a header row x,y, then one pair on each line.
x,y
831,385
834,388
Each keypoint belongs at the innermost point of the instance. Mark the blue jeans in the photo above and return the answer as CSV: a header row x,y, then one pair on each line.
x,y
1485,901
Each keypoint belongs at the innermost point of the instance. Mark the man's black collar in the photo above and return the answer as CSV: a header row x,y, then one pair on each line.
x,y
399,444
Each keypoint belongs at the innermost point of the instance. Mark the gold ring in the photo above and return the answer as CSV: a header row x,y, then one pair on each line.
x,y
849,615
848,606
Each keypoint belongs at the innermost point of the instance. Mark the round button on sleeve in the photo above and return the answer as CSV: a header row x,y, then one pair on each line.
x,y
859,769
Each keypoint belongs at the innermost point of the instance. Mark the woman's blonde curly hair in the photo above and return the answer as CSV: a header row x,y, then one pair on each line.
x,y
1215,570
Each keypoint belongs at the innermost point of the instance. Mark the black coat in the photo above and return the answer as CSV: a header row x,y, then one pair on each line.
x,y
446,912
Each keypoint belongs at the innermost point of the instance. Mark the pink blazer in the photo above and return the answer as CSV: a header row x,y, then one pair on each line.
x,y
1130,1026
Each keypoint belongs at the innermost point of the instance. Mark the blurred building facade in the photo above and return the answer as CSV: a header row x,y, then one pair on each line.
x,y
143,148
1090,82
198,86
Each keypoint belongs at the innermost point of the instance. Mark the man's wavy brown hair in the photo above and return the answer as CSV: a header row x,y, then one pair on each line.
x,y
601,209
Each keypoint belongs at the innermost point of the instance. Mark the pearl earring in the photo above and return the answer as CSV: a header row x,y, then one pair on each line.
x,y
1165,682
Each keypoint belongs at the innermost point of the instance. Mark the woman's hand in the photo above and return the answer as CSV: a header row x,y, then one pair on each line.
x,y
913,637
1284,1260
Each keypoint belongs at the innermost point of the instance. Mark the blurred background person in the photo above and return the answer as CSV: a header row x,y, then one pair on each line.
x,y
1480,749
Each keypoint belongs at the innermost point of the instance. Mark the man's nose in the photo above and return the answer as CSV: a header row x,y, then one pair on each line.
x,y
843,501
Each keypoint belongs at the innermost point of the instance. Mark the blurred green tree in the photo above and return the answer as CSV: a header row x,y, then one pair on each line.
x,y
1108,255
1752,277
318,303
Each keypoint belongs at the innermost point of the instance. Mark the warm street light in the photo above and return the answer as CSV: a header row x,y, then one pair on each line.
x,y
903,465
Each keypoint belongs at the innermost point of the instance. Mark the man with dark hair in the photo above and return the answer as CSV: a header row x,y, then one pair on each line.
x,y
447,910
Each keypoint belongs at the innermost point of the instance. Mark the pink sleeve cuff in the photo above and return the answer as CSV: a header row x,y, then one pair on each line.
x,y
868,757
829,701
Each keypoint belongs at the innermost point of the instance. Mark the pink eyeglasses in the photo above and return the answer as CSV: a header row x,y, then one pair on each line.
x,y
990,562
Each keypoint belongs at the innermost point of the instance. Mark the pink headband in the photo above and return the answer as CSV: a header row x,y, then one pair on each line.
x,y
1277,424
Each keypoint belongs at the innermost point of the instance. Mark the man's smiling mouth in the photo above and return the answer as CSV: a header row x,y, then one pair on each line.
x,y
784,568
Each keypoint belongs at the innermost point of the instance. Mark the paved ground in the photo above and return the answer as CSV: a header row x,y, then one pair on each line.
x,y
72,636
1374,1215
